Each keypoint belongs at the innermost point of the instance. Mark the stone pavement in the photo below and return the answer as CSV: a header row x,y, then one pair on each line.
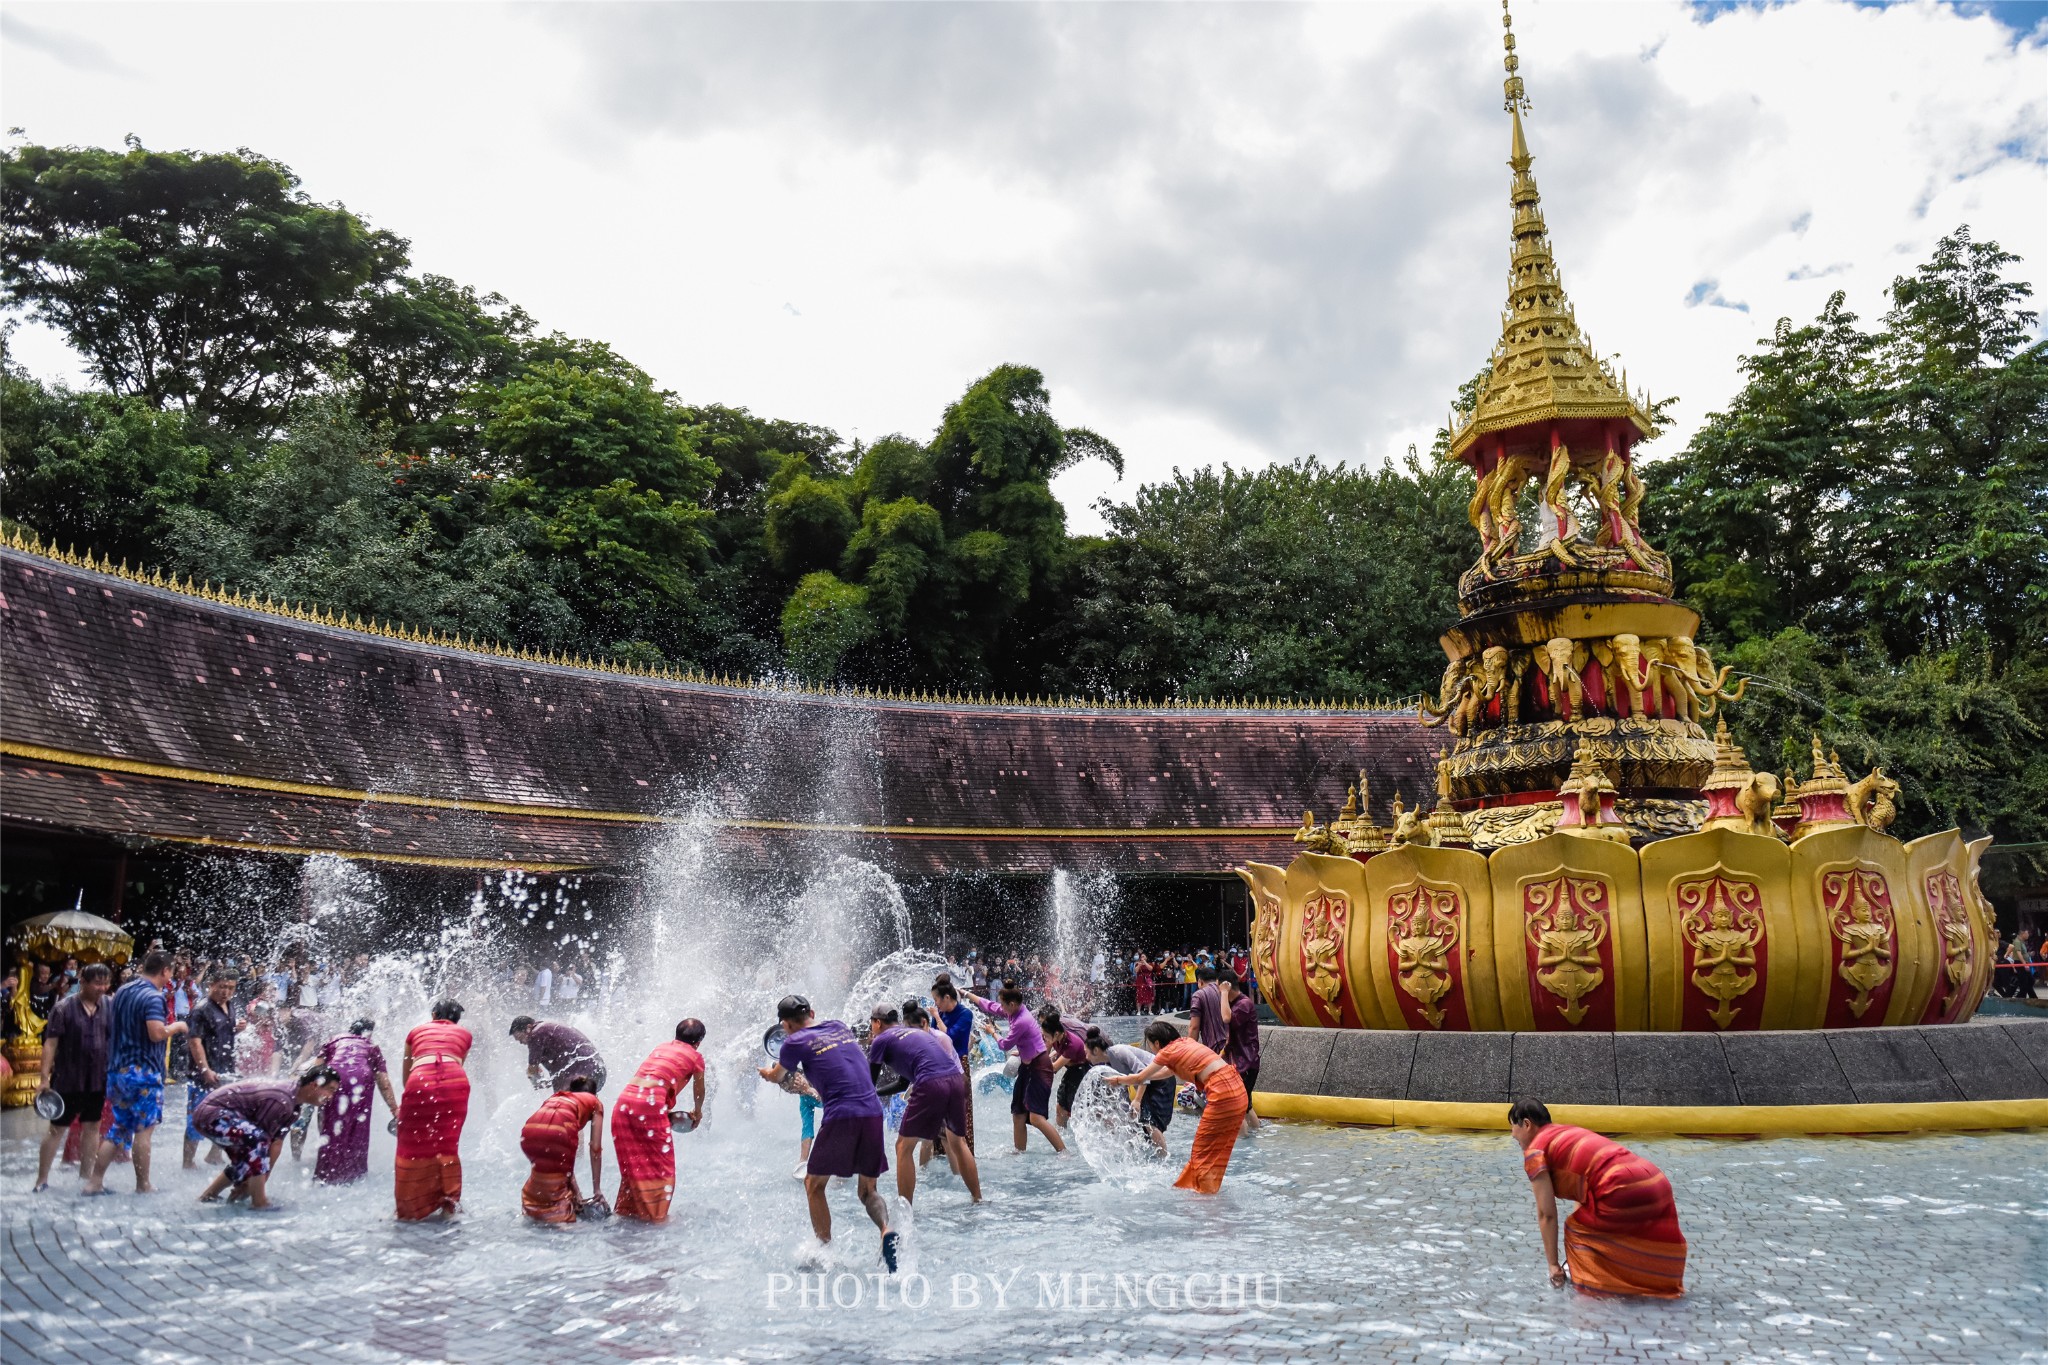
x,y
1406,1247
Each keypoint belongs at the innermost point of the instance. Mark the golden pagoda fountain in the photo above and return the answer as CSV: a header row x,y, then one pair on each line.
x,y
1595,859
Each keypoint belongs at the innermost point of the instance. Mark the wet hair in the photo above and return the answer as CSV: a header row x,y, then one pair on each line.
x,y
690,1031
320,1074
1160,1032
227,974
1009,994
792,1007
362,1026
913,1013
1205,973
94,971
943,989
581,1085
1532,1111
943,979
521,1023
886,1016
1049,1019
447,1011
154,961
1098,1039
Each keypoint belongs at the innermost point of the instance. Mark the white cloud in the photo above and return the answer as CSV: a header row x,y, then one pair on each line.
x,y
1233,233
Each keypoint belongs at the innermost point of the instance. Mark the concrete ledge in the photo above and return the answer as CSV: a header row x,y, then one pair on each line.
x,y
1739,1120
1845,1080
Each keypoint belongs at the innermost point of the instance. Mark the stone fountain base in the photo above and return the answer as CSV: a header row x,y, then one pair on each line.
x,y
1990,1074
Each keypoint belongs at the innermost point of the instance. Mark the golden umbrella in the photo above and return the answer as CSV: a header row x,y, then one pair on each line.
x,y
73,933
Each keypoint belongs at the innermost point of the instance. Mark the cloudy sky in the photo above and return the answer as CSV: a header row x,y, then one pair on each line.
x,y
1225,233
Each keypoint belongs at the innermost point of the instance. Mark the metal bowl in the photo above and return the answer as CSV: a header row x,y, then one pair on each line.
x,y
50,1105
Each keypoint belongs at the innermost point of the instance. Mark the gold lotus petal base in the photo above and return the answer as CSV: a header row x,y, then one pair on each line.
x,y
1546,929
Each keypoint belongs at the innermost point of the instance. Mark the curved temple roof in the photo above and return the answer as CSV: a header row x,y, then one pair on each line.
x,y
138,711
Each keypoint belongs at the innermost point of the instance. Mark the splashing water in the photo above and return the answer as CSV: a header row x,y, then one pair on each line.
x,y
1079,911
1110,1138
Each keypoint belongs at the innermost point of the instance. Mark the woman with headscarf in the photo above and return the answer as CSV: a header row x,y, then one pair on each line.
x,y
1216,1135
345,1158
431,1115
643,1134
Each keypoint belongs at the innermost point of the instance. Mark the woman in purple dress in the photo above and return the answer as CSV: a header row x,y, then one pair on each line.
x,y
346,1122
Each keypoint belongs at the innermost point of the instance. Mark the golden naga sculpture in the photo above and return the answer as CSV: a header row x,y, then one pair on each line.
x,y
1591,857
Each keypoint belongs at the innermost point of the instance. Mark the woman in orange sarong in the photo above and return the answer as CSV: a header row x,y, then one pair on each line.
x,y
549,1140
643,1135
1623,1237
1216,1134
431,1114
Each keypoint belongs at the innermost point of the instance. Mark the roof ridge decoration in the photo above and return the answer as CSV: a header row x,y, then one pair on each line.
x,y
1544,367
31,543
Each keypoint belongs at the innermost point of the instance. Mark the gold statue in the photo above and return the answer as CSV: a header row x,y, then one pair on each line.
x,y
1873,800
1412,827
1322,941
1758,802
1864,929
1423,926
1722,922
1561,677
1318,838
1696,687
1457,704
1567,953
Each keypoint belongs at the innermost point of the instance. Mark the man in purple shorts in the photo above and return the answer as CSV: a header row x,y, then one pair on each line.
x,y
850,1139
936,1109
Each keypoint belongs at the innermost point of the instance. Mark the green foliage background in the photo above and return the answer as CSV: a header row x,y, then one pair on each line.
x,y
281,406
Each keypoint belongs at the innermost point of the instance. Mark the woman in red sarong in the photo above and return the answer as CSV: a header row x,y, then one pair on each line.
x,y
550,1139
1142,988
1623,1237
431,1114
1216,1135
643,1137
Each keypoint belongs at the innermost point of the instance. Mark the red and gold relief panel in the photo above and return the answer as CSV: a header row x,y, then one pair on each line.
x,y
1325,916
1958,946
1726,953
1863,942
1568,932
1425,938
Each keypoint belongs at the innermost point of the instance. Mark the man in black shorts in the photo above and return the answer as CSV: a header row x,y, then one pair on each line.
x,y
75,1066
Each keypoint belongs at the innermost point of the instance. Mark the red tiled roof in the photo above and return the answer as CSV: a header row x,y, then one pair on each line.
x,y
196,719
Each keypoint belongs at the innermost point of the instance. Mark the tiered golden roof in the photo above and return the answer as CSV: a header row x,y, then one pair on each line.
x,y
1544,368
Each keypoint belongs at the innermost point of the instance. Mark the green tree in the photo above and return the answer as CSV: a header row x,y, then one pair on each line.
x,y
205,283
951,543
1298,579
603,461
1865,529
418,349
325,514
95,469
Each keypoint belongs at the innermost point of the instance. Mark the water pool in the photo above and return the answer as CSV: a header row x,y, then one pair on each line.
x,y
1355,1243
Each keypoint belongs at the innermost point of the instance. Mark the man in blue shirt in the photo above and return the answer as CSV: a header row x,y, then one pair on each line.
x,y
136,1053
958,1022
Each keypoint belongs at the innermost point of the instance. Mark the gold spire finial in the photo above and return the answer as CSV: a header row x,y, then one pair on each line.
x,y
1544,369
1517,99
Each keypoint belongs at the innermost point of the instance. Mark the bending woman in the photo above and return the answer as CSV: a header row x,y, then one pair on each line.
x,y
1216,1135
431,1115
1623,1237
643,1135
